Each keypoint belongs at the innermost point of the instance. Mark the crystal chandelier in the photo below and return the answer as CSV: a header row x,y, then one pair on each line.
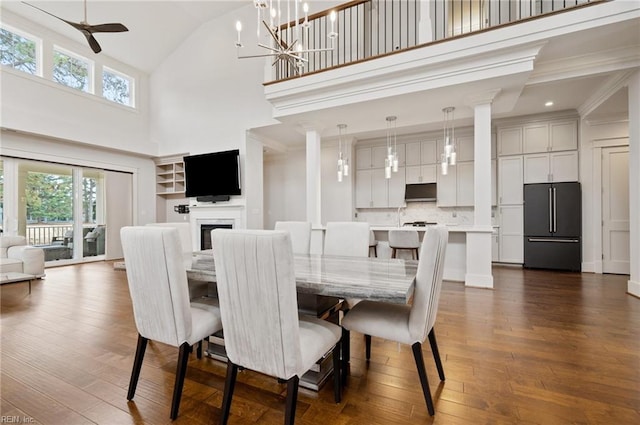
x,y
294,52
343,163
391,160
449,155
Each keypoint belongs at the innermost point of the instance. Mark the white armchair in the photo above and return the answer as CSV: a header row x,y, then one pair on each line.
x,y
17,256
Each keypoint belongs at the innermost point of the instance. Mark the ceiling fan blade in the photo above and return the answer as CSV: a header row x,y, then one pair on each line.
x,y
93,43
73,24
106,28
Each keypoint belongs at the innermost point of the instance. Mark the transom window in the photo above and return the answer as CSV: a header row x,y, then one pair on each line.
x,y
116,87
18,51
71,70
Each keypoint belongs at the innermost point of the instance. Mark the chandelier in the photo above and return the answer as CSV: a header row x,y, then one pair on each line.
x,y
391,160
294,52
343,163
449,156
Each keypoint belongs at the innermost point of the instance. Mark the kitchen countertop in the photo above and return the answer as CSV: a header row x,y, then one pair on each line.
x,y
453,228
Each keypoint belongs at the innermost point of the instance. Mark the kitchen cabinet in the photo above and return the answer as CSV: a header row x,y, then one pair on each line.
x,y
374,156
464,184
421,153
447,188
495,245
510,140
373,190
551,136
511,234
421,174
510,180
551,167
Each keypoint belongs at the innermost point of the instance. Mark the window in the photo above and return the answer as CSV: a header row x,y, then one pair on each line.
x,y
116,87
18,52
71,71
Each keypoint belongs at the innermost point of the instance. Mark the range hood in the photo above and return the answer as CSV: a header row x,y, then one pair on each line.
x,y
425,192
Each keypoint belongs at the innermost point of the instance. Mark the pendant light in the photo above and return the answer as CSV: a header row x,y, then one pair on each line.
x,y
391,160
449,156
343,162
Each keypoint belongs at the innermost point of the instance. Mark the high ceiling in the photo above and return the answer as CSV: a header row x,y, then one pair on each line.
x,y
157,28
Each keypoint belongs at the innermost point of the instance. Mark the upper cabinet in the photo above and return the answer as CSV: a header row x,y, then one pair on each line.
x,y
421,153
538,137
374,156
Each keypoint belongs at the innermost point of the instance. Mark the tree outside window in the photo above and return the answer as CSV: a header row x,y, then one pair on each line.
x,y
116,87
70,71
17,52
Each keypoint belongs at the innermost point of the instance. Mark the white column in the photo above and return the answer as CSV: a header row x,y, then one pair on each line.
x,y
314,204
633,285
479,240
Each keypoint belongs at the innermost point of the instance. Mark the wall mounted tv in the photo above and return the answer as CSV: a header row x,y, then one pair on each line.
x,y
212,174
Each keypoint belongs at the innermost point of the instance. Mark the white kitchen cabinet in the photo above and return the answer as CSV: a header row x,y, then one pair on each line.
x,y
421,174
495,245
371,157
563,135
510,140
447,188
551,167
373,190
464,149
420,153
511,233
510,180
464,184
396,185
535,137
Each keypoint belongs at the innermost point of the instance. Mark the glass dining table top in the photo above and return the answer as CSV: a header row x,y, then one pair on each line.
x,y
377,279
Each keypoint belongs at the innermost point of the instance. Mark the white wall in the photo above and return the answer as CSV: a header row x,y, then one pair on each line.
x,y
285,188
38,105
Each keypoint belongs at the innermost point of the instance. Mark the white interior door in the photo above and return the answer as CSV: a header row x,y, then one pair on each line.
x,y
615,210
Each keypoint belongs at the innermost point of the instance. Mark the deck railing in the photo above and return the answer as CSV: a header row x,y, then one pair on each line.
x,y
370,28
44,234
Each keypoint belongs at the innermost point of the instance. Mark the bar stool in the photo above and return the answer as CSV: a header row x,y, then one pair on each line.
x,y
373,244
404,239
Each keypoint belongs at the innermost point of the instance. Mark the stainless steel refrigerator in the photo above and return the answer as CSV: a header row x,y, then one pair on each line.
x,y
553,226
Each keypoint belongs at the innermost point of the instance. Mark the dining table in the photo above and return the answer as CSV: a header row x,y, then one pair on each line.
x,y
322,282
370,278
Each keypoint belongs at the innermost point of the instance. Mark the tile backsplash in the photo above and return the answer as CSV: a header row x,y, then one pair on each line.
x,y
419,211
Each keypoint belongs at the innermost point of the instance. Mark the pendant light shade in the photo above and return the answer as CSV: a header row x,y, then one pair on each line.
x,y
343,161
449,156
391,161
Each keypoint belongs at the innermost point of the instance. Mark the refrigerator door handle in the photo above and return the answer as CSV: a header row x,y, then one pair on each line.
x,y
555,212
553,240
550,212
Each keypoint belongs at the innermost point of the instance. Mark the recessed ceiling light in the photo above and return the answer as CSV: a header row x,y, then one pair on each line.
x,y
549,103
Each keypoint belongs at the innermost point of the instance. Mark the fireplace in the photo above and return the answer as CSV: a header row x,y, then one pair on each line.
x,y
206,226
205,233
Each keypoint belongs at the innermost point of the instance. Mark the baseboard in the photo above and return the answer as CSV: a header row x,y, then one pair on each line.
x,y
633,288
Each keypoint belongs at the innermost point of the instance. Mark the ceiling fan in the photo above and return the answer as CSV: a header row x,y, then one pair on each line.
x,y
86,29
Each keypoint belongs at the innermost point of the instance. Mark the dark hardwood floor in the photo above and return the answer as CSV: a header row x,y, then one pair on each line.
x,y
541,348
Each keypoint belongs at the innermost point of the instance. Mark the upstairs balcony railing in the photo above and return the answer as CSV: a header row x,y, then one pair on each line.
x,y
371,28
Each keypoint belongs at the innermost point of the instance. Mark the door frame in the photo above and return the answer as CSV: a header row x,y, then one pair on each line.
x,y
598,145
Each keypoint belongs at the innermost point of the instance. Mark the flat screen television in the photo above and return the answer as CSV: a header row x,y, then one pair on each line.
x,y
212,174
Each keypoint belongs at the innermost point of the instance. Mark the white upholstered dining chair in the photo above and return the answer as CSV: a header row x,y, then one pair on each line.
x,y
409,324
300,232
197,289
347,238
161,308
262,330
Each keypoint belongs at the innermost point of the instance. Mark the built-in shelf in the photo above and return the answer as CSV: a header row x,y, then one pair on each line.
x,y
170,176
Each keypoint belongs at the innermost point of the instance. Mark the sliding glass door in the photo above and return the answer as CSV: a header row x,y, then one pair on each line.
x,y
60,208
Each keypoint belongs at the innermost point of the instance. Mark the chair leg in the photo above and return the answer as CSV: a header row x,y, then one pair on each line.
x,y
337,379
229,385
417,254
393,253
422,373
181,372
436,353
199,350
367,346
346,354
137,365
292,399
